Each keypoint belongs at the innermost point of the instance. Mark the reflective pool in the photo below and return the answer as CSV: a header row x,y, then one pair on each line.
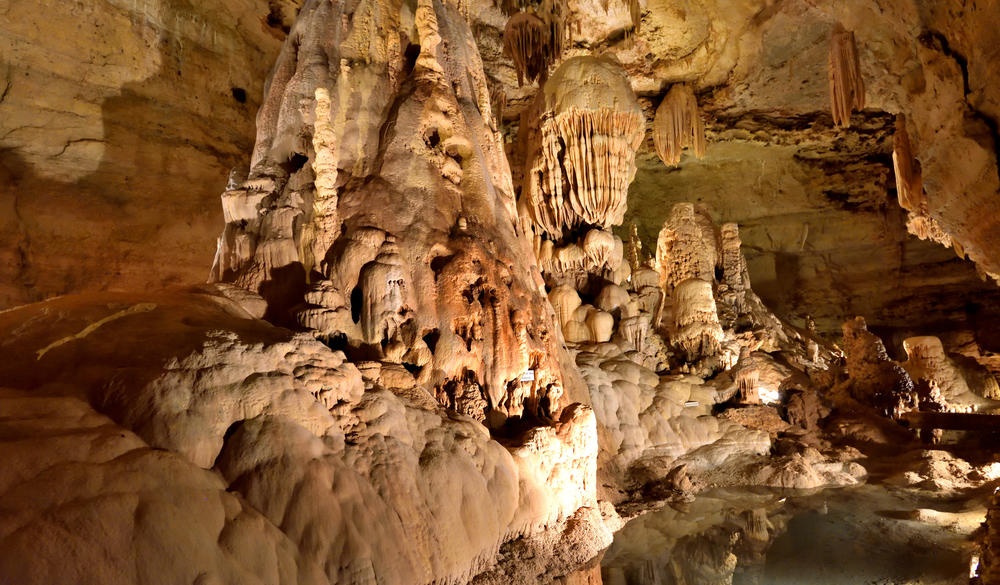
x,y
851,536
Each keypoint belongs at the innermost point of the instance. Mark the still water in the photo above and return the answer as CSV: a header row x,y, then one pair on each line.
x,y
847,536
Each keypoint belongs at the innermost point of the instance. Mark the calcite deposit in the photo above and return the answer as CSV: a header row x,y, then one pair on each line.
x,y
678,125
579,144
465,317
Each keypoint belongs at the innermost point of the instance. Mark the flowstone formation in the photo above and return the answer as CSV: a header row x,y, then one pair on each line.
x,y
960,388
387,224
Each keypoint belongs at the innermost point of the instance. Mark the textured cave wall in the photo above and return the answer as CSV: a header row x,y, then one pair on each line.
x,y
119,122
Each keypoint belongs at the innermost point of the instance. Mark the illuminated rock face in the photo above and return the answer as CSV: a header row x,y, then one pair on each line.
x,y
962,388
100,101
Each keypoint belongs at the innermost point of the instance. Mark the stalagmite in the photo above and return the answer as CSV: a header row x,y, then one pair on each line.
x,y
382,290
926,359
678,125
633,251
565,300
612,299
601,325
603,249
847,88
687,247
325,226
734,266
875,379
696,320
747,375
580,153
635,329
533,41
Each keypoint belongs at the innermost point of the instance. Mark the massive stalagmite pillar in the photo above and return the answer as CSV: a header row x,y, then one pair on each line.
x,y
379,209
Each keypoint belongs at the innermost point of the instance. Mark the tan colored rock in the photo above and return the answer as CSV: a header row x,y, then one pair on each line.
x,y
587,106
687,247
875,379
847,87
403,265
119,122
533,41
696,329
678,126
926,359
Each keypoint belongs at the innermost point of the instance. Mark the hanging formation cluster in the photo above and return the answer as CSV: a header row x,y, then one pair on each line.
x,y
847,88
678,125
581,157
533,40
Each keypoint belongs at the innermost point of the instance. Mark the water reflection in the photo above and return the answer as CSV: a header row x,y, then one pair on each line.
x,y
867,534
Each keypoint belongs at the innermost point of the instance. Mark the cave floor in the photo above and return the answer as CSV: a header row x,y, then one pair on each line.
x,y
913,522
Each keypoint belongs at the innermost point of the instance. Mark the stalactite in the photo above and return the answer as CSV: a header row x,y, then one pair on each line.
x,y
909,181
588,161
533,44
910,191
635,12
580,150
847,88
498,101
678,125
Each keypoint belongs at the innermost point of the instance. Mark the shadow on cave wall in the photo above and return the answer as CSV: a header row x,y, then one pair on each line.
x,y
148,216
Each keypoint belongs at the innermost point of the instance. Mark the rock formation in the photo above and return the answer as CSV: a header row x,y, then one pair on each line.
x,y
340,477
875,379
357,261
579,154
847,87
533,41
927,360
678,126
